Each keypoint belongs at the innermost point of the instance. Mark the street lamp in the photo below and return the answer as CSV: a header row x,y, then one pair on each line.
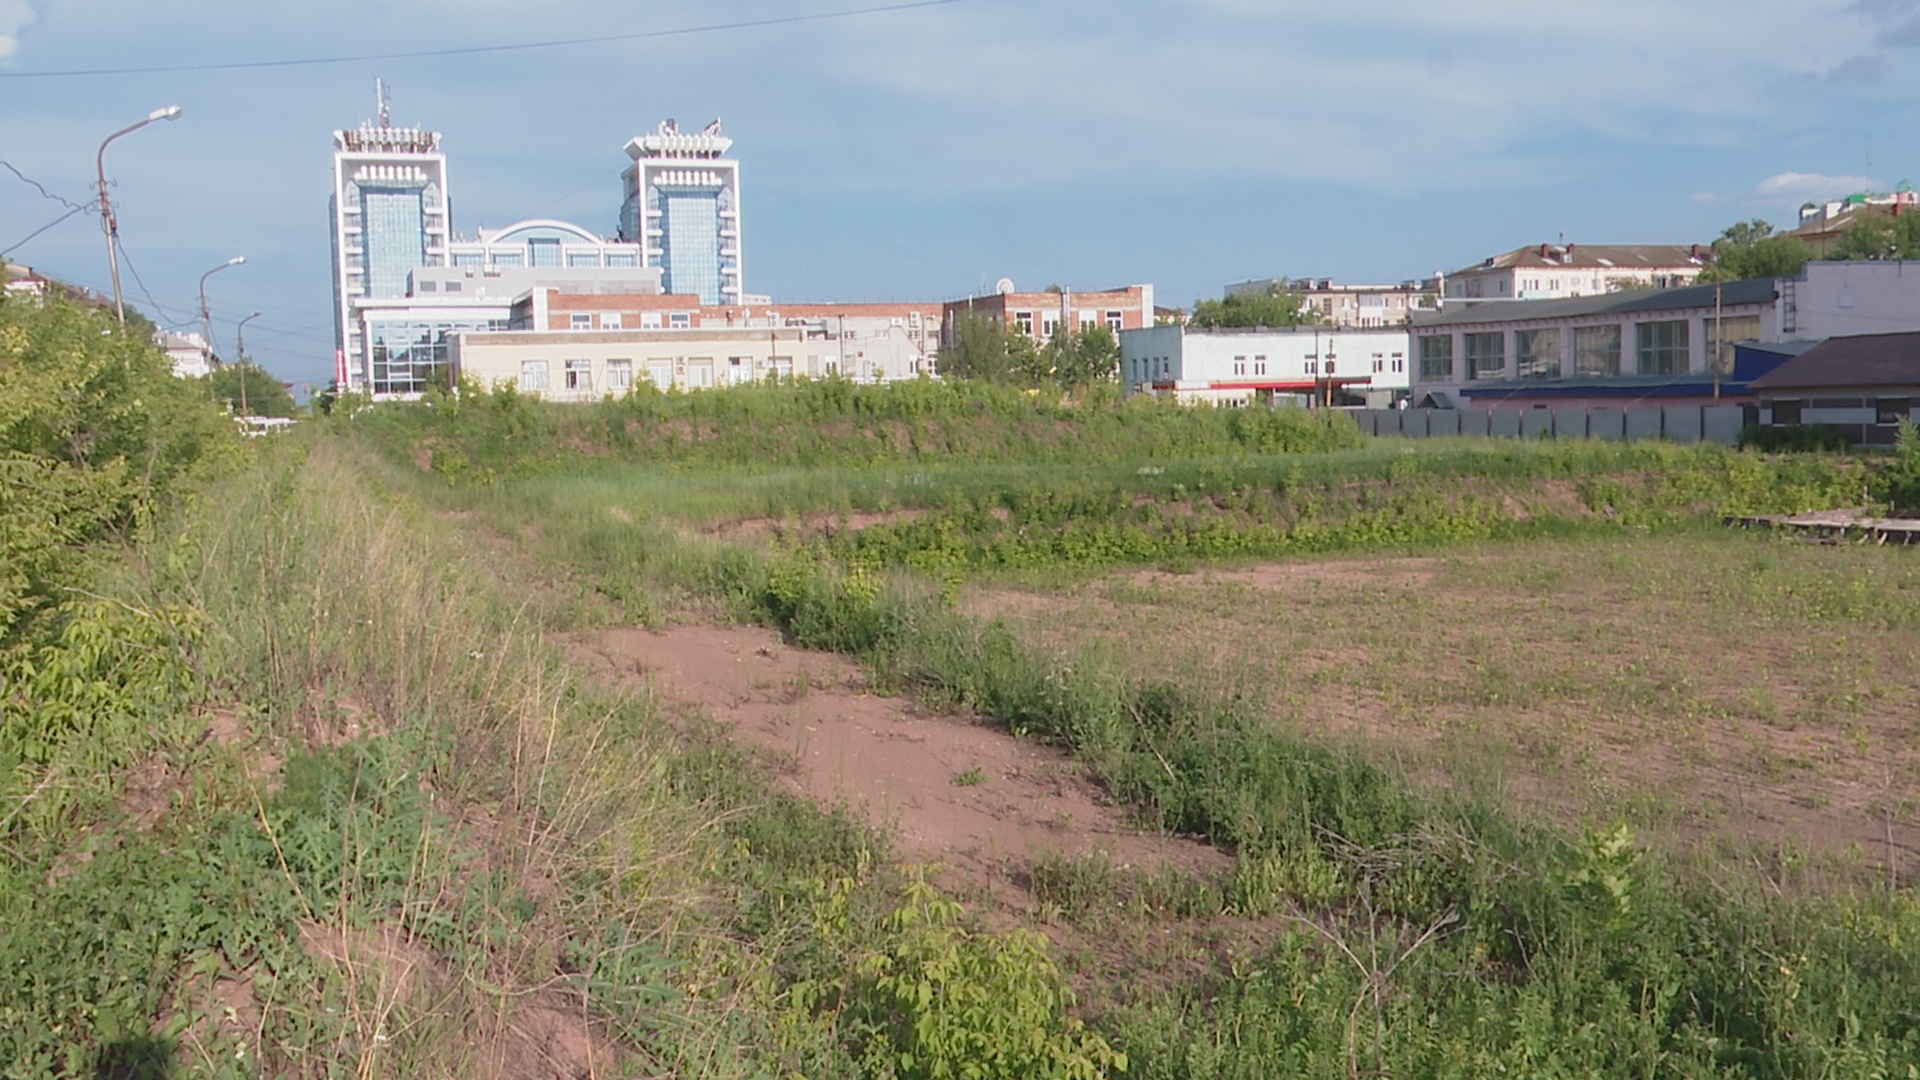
x,y
240,359
107,223
206,318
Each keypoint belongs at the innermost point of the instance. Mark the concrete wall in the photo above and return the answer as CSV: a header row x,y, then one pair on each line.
x,y
688,359
1677,423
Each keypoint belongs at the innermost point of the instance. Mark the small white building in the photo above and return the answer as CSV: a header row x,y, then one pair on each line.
x,y
188,352
1244,366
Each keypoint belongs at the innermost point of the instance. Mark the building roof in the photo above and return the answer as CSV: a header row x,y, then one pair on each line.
x,y
1864,360
1595,257
1732,294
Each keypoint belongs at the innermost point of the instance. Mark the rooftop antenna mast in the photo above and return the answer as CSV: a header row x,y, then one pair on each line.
x,y
383,97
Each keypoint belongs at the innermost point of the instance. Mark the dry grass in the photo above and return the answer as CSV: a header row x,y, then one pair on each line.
x,y
1710,686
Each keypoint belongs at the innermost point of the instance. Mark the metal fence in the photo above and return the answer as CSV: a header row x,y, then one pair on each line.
x,y
1677,423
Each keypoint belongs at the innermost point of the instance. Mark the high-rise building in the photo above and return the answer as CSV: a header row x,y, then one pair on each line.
x,y
390,215
683,207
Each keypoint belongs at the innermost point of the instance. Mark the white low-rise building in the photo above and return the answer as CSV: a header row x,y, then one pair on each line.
x,y
566,365
1245,366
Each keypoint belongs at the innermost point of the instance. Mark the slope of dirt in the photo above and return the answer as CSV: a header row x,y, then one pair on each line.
x,y
955,793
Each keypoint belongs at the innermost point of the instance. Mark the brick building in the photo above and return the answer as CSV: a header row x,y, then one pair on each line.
x,y
1040,314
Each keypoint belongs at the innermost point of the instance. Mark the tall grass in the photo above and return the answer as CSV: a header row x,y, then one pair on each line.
x,y
1414,933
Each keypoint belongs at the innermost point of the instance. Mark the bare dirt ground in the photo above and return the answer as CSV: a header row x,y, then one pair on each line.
x,y
954,792
1577,683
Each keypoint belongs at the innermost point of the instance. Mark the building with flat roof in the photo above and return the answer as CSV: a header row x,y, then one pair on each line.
x,y
576,366
881,342
1299,365
1551,271
682,208
1039,315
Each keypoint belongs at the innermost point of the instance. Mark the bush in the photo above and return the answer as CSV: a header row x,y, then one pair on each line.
x,y
1793,438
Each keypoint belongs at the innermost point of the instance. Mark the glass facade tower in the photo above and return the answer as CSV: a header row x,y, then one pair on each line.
x,y
683,208
390,214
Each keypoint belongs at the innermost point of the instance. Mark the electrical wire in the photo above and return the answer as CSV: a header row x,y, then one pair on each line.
x,y
11,248
42,188
128,263
479,50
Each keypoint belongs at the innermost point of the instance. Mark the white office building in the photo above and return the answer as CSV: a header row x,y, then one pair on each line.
x,y
683,208
390,214
1265,366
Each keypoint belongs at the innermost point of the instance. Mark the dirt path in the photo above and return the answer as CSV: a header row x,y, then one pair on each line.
x,y
956,793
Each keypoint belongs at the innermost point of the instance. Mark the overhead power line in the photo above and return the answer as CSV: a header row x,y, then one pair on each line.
x,y
478,50
42,188
30,236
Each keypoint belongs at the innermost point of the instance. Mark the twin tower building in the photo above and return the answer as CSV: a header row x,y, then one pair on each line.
x,y
404,281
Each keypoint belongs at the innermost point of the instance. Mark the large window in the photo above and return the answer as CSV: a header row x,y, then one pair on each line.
x,y
1663,347
1721,335
1486,355
1536,353
411,357
394,236
1596,350
579,375
1436,356
533,375
619,376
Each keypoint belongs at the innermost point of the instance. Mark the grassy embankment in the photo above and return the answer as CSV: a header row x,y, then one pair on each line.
x,y
1435,933
293,787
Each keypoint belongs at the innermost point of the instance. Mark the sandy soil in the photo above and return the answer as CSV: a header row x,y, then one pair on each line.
x,y
954,791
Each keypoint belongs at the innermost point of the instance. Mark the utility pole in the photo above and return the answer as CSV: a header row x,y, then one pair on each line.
x,y
107,223
240,359
1719,340
206,317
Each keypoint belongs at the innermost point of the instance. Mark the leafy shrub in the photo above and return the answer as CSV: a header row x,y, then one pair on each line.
x,y
1792,438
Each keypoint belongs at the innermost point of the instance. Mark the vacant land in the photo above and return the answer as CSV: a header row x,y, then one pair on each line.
x,y
1712,686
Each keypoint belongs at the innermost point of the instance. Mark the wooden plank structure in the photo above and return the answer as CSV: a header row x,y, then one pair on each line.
x,y
1837,526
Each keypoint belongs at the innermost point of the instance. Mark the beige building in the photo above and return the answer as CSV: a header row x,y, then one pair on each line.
x,y
568,366
864,342
1553,271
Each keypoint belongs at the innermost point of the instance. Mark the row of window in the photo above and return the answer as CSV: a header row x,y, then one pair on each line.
x,y
1660,348
1050,322
577,375
539,255
1887,412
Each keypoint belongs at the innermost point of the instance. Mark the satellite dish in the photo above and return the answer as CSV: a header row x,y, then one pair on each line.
x,y
1004,286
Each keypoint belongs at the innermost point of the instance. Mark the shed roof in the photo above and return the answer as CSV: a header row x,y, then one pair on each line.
x,y
1732,294
1864,360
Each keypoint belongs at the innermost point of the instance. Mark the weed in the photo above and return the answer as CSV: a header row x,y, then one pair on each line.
x,y
970,777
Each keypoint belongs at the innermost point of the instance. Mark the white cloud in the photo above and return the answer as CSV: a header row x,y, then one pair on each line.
x,y
1396,96
15,16
1796,187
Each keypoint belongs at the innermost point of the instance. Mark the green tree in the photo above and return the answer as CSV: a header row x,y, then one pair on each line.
x,y
246,381
1081,358
95,435
1880,236
1752,249
1279,306
985,349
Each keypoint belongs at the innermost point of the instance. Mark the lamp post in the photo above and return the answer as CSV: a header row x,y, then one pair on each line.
x,y
240,359
107,222
206,317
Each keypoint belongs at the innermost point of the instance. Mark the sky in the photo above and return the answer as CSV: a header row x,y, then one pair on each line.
x,y
925,153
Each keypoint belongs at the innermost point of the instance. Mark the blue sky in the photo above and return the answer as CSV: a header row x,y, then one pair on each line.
x,y
920,154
